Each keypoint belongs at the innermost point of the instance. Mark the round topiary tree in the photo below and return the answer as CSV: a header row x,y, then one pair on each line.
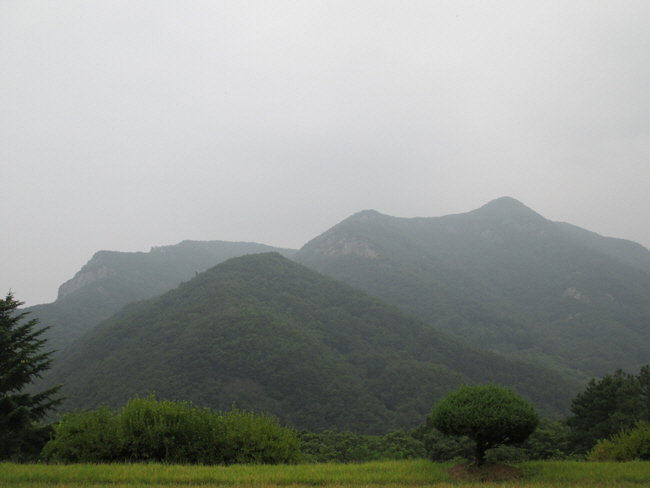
x,y
489,415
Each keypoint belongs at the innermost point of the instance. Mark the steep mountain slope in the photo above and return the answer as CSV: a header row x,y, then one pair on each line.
x,y
112,279
273,335
629,252
503,278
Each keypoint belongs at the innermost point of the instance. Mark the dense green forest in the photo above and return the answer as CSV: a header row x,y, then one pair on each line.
x,y
503,278
113,279
272,335
498,294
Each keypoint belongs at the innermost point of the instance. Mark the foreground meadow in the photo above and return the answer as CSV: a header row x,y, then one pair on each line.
x,y
381,474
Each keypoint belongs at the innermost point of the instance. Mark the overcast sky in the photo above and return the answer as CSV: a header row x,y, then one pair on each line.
x,y
131,124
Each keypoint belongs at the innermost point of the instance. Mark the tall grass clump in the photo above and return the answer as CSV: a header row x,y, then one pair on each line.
x,y
627,445
170,432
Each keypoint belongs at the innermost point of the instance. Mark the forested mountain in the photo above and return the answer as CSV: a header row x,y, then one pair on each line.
x,y
112,279
503,278
272,335
626,251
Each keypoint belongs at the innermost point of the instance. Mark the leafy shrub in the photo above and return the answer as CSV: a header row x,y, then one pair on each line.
x,y
550,441
346,447
627,445
442,448
89,437
148,430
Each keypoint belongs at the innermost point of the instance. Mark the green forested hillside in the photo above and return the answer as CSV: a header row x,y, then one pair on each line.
x,y
112,279
275,336
502,278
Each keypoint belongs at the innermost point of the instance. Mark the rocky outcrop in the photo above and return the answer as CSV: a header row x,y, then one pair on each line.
x,y
83,278
574,293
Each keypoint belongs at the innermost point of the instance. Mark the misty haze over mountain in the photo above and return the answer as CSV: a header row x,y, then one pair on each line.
x,y
127,125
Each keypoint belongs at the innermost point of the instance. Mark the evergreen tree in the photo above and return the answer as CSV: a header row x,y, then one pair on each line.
x,y
20,363
614,402
490,415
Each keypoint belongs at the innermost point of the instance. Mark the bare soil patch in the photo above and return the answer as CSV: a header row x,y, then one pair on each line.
x,y
488,472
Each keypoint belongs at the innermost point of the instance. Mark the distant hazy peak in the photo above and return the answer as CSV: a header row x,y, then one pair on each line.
x,y
506,204
509,208
365,214
170,264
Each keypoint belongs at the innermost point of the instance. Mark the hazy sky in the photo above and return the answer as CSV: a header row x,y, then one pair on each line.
x,y
131,124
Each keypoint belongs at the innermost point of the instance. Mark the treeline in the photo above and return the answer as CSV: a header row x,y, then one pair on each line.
x,y
147,430
170,432
549,441
609,421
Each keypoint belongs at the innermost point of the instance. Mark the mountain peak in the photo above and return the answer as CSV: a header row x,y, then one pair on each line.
x,y
506,203
507,207
365,214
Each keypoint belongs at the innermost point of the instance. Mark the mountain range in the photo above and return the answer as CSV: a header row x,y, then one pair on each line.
x,y
268,333
503,278
113,279
370,324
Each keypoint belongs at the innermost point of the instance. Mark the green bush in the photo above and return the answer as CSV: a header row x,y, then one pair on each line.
x,y
347,447
89,437
627,445
550,441
442,448
171,432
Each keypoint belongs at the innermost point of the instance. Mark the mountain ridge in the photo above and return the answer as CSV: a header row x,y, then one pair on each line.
x,y
268,333
112,279
501,277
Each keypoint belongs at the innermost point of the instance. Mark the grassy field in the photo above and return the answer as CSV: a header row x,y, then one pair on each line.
x,y
378,474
